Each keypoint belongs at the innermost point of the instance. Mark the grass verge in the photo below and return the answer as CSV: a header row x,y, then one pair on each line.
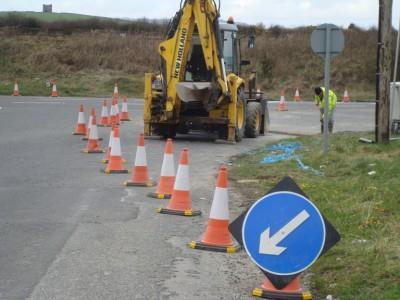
x,y
364,208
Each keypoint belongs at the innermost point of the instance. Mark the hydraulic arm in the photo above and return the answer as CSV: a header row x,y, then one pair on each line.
x,y
204,15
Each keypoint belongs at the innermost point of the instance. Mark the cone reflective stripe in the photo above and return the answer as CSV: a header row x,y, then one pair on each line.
x,y
115,164
16,90
181,203
80,128
116,93
292,291
93,145
105,121
167,178
346,97
124,116
217,236
54,92
108,151
297,96
282,103
140,174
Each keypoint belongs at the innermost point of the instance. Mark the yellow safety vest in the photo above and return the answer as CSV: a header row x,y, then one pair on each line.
x,y
332,100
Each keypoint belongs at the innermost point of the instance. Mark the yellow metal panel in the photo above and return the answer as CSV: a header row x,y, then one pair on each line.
x,y
148,97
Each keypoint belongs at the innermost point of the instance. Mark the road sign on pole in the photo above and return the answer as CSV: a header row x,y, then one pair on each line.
x,y
284,233
327,41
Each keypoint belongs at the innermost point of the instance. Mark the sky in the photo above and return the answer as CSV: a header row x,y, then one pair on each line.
x,y
288,13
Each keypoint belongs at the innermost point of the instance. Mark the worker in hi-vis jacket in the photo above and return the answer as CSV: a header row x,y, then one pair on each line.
x,y
320,102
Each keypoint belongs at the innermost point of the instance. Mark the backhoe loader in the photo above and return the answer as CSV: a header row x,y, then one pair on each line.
x,y
199,85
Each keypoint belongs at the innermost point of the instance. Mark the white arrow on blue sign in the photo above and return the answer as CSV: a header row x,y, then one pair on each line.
x,y
283,233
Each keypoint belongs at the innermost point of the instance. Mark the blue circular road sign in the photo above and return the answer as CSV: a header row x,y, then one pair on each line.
x,y
283,233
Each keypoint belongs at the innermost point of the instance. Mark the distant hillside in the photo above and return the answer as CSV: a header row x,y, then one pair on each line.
x,y
49,17
87,55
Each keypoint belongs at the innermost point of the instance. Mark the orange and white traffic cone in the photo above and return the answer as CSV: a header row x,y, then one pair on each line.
x,y
80,128
181,202
297,97
124,116
93,142
167,179
116,92
54,92
16,90
113,118
116,163
89,125
117,112
108,151
282,103
292,291
105,120
217,237
140,173
346,97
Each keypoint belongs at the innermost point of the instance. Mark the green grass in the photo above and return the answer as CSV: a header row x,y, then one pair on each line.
x,y
50,17
365,210
78,85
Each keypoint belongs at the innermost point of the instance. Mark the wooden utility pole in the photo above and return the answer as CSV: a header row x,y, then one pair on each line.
x,y
385,71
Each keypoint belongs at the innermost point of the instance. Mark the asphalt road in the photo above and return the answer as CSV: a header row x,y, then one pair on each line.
x,y
69,232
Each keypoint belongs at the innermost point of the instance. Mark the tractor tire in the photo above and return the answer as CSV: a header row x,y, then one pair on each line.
x,y
253,120
241,118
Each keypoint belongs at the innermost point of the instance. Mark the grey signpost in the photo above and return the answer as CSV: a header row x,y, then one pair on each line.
x,y
327,41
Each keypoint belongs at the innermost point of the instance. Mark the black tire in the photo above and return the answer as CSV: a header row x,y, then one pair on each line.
x,y
239,132
169,132
165,131
253,120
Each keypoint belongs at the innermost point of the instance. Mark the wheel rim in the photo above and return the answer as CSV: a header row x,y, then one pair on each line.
x,y
240,115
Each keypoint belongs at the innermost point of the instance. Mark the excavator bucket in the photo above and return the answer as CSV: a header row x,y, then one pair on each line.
x,y
194,91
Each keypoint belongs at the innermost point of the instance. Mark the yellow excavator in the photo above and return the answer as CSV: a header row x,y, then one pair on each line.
x,y
199,85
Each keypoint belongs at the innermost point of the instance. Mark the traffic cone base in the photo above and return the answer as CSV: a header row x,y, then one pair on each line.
x,y
74,133
98,151
108,171
183,213
292,291
159,196
214,248
149,183
86,138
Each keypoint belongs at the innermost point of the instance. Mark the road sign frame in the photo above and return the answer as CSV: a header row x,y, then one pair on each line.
x,y
321,247
332,237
